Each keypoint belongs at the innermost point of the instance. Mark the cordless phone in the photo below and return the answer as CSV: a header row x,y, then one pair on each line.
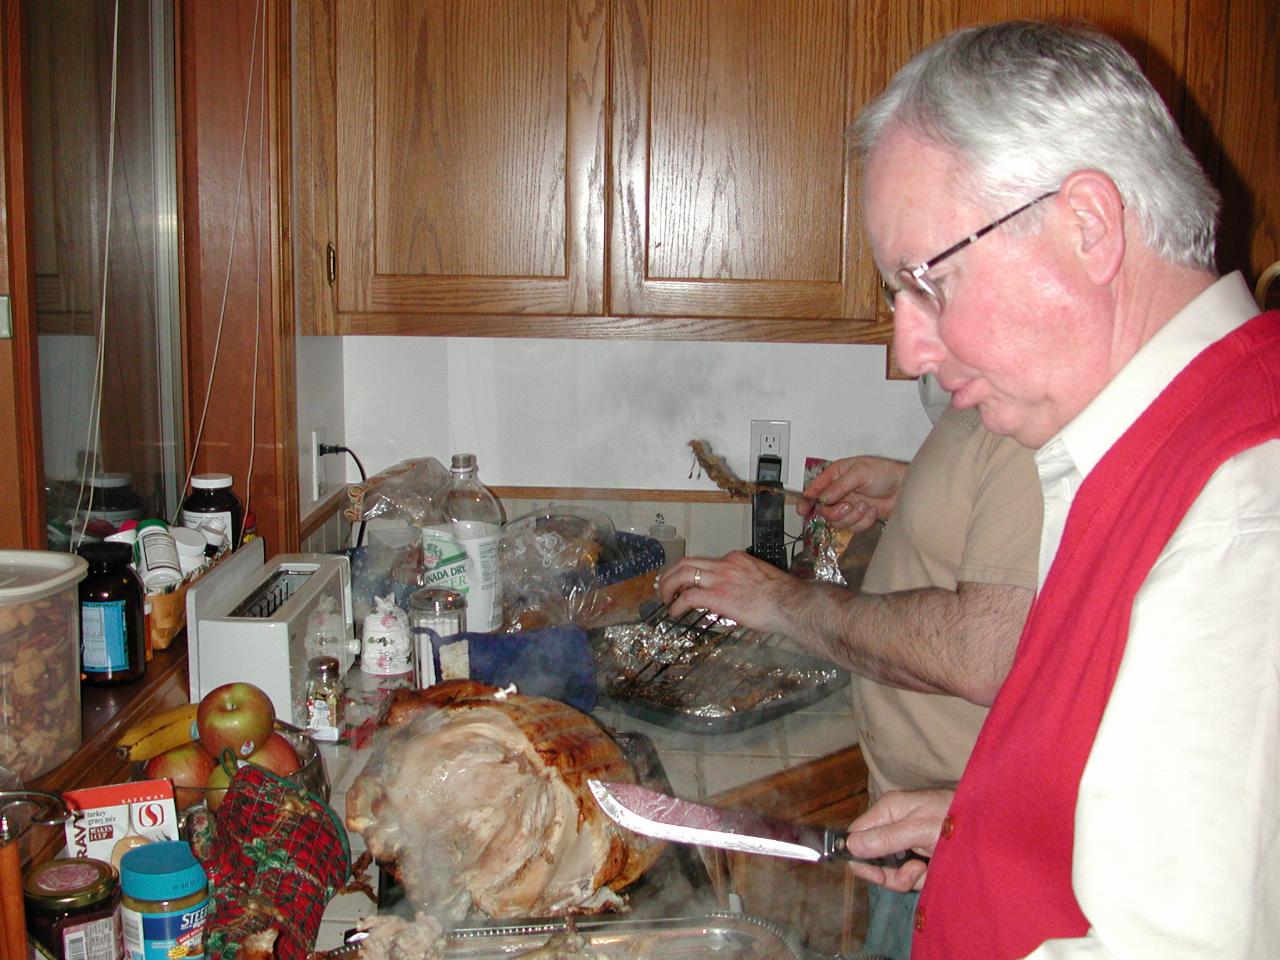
x,y
767,540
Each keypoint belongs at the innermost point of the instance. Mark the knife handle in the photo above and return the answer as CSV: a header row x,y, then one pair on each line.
x,y
834,848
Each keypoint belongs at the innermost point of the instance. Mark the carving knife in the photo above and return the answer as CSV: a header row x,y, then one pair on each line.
x,y
658,815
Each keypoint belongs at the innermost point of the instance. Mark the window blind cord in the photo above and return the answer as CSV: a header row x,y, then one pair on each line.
x,y
231,249
89,466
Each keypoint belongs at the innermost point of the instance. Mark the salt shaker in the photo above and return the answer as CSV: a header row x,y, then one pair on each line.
x,y
324,698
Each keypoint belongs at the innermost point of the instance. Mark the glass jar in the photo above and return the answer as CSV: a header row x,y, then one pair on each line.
x,y
112,642
433,614
211,502
73,908
114,500
324,698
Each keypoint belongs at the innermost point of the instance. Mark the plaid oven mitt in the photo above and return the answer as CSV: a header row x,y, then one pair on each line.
x,y
275,855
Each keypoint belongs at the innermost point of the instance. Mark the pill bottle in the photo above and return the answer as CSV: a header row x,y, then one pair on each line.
x,y
155,557
112,641
165,901
212,502
190,544
72,908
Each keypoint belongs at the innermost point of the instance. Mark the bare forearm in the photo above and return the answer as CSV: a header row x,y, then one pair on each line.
x,y
930,640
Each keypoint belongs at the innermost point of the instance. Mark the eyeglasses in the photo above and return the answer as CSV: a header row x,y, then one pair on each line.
x,y
923,292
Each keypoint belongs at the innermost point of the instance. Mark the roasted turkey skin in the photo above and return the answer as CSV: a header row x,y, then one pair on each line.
x,y
480,799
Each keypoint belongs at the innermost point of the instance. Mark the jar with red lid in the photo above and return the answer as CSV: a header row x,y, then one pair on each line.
x,y
73,908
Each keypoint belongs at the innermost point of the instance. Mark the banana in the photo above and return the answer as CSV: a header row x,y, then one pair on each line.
x,y
153,736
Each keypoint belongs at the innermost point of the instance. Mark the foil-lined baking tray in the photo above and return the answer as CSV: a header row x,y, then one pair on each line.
x,y
701,673
715,936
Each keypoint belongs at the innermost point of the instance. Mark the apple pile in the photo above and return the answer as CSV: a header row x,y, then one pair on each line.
x,y
235,717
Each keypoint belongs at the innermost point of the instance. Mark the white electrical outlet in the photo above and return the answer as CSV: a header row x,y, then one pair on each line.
x,y
317,477
769,436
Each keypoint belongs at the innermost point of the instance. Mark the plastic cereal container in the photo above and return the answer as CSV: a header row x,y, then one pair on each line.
x,y
39,659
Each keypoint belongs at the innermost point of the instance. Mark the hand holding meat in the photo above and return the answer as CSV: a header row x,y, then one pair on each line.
x,y
739,586
854,492
900,820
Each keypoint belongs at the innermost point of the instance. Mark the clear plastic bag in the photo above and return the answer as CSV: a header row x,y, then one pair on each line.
x,y
549,562
392,563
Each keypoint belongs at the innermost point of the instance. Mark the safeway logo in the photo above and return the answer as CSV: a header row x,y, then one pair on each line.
x,y
149,814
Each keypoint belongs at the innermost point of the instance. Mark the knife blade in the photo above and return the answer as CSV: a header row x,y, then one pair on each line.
x,y
655,814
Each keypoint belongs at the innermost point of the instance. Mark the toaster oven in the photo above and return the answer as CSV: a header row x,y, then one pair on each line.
x,y
261,621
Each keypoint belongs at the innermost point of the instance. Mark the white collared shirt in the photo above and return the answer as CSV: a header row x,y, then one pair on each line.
x,y
1178,813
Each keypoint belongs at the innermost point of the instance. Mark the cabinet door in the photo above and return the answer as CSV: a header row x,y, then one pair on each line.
x,y
822,903
470,156
734,193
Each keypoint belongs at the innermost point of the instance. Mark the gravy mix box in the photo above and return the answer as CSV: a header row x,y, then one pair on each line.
x,y
103,816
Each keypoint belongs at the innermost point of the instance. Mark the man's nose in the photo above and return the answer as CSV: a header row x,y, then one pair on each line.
x,y
917,346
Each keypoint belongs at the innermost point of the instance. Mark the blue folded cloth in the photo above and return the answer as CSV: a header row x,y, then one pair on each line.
x,y
554,662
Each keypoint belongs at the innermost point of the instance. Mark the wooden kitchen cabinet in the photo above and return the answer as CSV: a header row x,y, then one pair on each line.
x,y
468,169
733,193
470,156
822,902
665,168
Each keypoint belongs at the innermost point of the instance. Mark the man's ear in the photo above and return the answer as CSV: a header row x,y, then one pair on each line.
x,y
1098,223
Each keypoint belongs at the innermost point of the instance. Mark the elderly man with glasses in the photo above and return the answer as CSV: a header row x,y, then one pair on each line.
x,y
1122,798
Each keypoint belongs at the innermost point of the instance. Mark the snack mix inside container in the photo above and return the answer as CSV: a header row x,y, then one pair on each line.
x,y
39,660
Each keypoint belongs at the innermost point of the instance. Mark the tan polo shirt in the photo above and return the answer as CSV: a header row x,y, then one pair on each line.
x,y
969,511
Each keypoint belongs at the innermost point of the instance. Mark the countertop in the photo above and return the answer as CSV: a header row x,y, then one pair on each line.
x,y
698,766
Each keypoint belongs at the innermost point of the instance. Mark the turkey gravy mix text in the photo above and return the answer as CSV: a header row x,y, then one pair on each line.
x,y
165,902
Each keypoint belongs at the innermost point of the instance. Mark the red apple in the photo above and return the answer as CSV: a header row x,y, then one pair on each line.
x,y
277,755
216,787
235,716
186,766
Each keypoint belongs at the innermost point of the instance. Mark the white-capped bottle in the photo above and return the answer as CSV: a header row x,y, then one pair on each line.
x,y
476,519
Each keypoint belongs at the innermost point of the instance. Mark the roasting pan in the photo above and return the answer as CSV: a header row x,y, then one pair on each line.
x,y
677,883
715,936
702,674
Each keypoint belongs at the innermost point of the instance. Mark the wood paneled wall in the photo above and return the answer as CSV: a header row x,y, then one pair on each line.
x,y
221,68
22,516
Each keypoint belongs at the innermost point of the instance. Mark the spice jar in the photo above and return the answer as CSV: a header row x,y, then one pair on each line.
x,y
165,902
73,908
112,642
324,698
211,503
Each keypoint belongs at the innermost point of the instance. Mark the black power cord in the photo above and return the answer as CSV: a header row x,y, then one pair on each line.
x,y
325,449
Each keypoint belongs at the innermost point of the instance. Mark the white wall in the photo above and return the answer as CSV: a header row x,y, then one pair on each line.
x,y
321,399
598,413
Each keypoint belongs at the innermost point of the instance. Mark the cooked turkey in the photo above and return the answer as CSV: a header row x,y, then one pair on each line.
x,y
481,800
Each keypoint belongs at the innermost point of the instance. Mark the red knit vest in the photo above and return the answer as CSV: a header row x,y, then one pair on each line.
x,y
999,883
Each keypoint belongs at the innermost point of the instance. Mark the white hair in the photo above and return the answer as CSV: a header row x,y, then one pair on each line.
x,y
1026,103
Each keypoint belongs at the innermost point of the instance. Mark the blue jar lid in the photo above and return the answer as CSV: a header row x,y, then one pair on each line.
x,y
165,870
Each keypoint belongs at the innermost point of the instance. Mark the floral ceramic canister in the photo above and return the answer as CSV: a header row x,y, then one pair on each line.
x,y
387,646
